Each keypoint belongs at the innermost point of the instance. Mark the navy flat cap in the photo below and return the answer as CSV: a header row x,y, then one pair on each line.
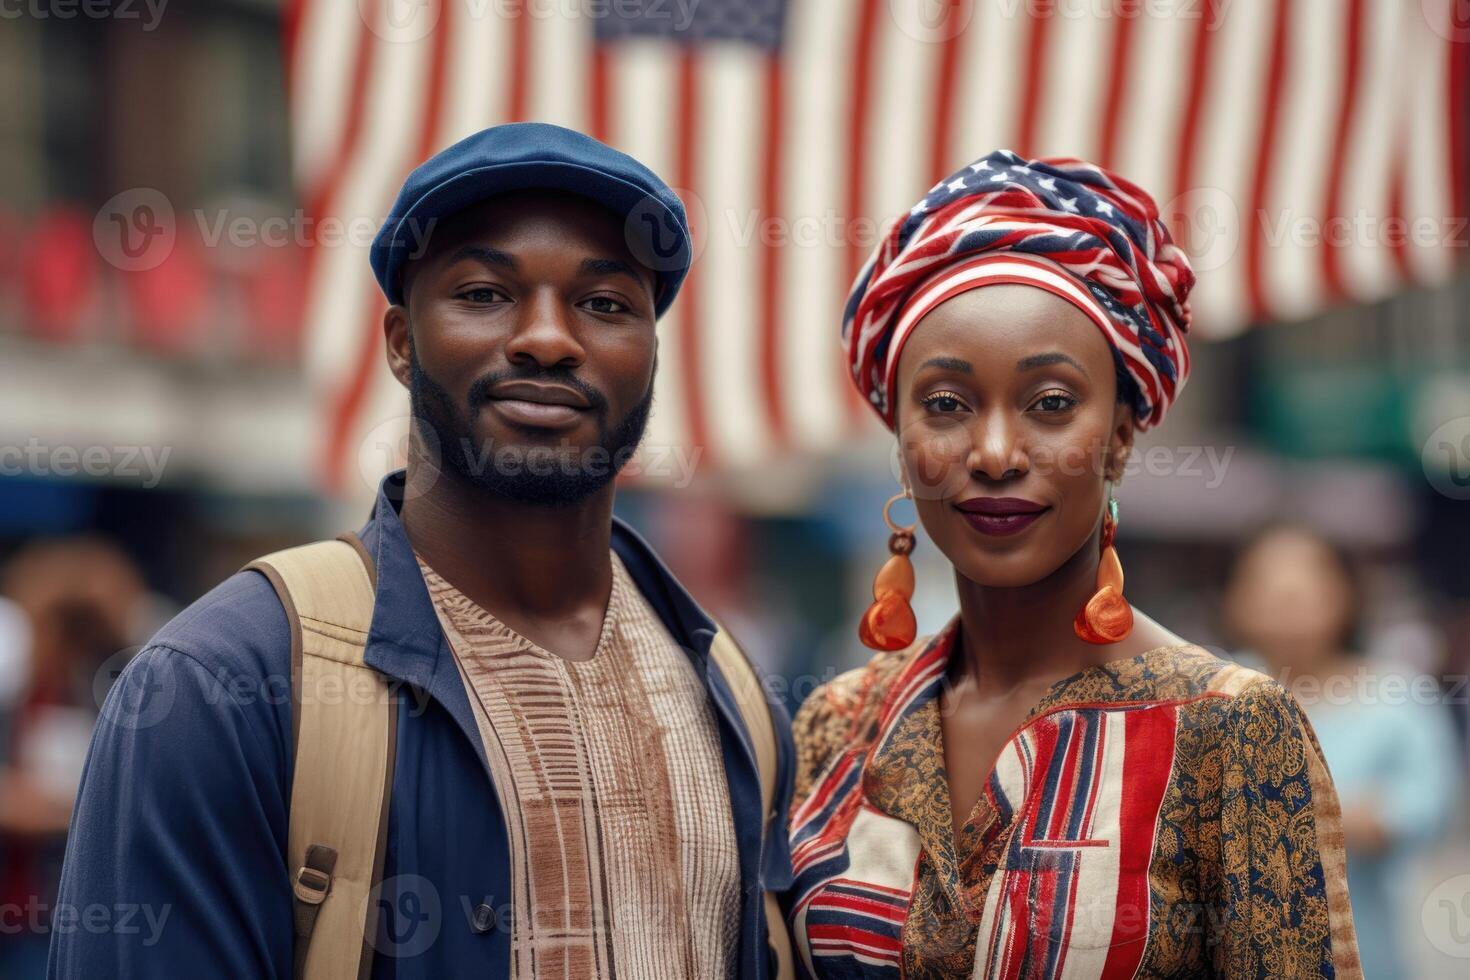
x,y
526,156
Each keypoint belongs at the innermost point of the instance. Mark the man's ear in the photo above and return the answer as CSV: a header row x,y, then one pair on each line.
x,y
400,342
1120,442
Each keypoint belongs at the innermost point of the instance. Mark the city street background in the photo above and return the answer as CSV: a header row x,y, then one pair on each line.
x,y
191,372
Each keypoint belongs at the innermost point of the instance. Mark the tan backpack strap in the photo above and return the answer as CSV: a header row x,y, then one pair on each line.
x,y
344,724
755,711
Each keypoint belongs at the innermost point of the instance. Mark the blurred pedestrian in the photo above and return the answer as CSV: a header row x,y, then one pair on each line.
x,y
73,603
1294,604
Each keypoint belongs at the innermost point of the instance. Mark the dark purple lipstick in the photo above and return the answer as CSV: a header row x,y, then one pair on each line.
x,y
1000,515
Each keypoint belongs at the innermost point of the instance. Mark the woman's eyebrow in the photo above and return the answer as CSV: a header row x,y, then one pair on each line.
x,y
1046,360
950,364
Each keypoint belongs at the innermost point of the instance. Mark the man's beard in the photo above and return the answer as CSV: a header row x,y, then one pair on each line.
x,y
546,476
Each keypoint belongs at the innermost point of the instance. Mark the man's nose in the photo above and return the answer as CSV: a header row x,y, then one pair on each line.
x,y
545,335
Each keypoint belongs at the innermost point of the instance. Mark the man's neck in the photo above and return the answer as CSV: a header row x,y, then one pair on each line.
x,y
511,558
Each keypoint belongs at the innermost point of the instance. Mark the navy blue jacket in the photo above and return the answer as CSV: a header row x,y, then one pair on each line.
x,y
176,863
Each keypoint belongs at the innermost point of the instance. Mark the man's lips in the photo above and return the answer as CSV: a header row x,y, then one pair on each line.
x,y
539,405
1000,515
539,393
536,414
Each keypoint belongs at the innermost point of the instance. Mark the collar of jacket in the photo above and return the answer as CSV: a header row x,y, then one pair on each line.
x,y
406,642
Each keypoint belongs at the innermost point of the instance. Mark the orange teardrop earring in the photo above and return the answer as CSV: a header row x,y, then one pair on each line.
x,y
889,623
1107,617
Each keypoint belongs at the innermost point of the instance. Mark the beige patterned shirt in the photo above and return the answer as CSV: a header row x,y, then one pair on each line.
x,y
609,773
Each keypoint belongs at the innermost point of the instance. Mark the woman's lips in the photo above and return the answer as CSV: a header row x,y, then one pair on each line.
x,y
1000,515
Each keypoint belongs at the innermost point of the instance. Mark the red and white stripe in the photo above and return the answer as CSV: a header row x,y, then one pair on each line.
x,y
1260,120
1103,903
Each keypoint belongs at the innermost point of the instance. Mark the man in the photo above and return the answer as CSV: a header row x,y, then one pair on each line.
x,y
574,792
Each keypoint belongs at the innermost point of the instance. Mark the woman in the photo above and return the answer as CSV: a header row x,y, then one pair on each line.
x,y
1054,784
1294,602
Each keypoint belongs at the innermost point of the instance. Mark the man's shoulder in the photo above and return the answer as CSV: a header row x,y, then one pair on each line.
x,y
237,629
209,693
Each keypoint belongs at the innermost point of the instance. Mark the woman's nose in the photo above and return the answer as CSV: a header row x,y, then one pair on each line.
x,y
996,449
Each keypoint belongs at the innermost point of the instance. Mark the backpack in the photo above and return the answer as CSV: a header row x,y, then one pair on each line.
x,y
344,729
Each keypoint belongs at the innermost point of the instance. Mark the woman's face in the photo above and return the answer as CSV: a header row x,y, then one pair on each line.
x,y
1290,599
1008,427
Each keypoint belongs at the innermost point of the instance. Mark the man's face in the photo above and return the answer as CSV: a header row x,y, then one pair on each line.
x,y
527,344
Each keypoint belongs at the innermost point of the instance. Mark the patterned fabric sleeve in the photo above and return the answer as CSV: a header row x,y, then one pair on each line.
x,y
820,729
1283,905
838,712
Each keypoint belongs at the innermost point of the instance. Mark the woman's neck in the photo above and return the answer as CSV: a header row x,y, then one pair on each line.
x,y
1012,636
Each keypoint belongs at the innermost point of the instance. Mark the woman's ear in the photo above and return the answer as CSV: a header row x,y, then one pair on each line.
x,y
1120,443
901,470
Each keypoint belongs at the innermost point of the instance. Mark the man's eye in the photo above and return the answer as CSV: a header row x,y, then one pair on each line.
x,y
482,294
605,304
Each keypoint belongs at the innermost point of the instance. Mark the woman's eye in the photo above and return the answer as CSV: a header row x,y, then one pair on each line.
x,y
605,304
1054,401
943,402
482,294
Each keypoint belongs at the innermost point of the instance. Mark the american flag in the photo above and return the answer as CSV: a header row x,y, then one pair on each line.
x,y
1306,153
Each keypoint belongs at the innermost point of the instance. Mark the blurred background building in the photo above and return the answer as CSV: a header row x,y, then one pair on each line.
x,y
189,374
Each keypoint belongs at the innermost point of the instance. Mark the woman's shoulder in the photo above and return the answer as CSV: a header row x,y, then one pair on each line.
x,y
850,691
841,710
1177,666
1181,671
1236,702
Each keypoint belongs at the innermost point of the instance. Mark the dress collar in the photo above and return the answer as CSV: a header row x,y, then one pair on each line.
x,y
905,775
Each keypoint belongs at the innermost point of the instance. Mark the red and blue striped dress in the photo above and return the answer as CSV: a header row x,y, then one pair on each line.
x,y
1163,815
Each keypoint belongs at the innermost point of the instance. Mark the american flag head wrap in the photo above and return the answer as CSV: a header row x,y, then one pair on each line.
x,y
1069,227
